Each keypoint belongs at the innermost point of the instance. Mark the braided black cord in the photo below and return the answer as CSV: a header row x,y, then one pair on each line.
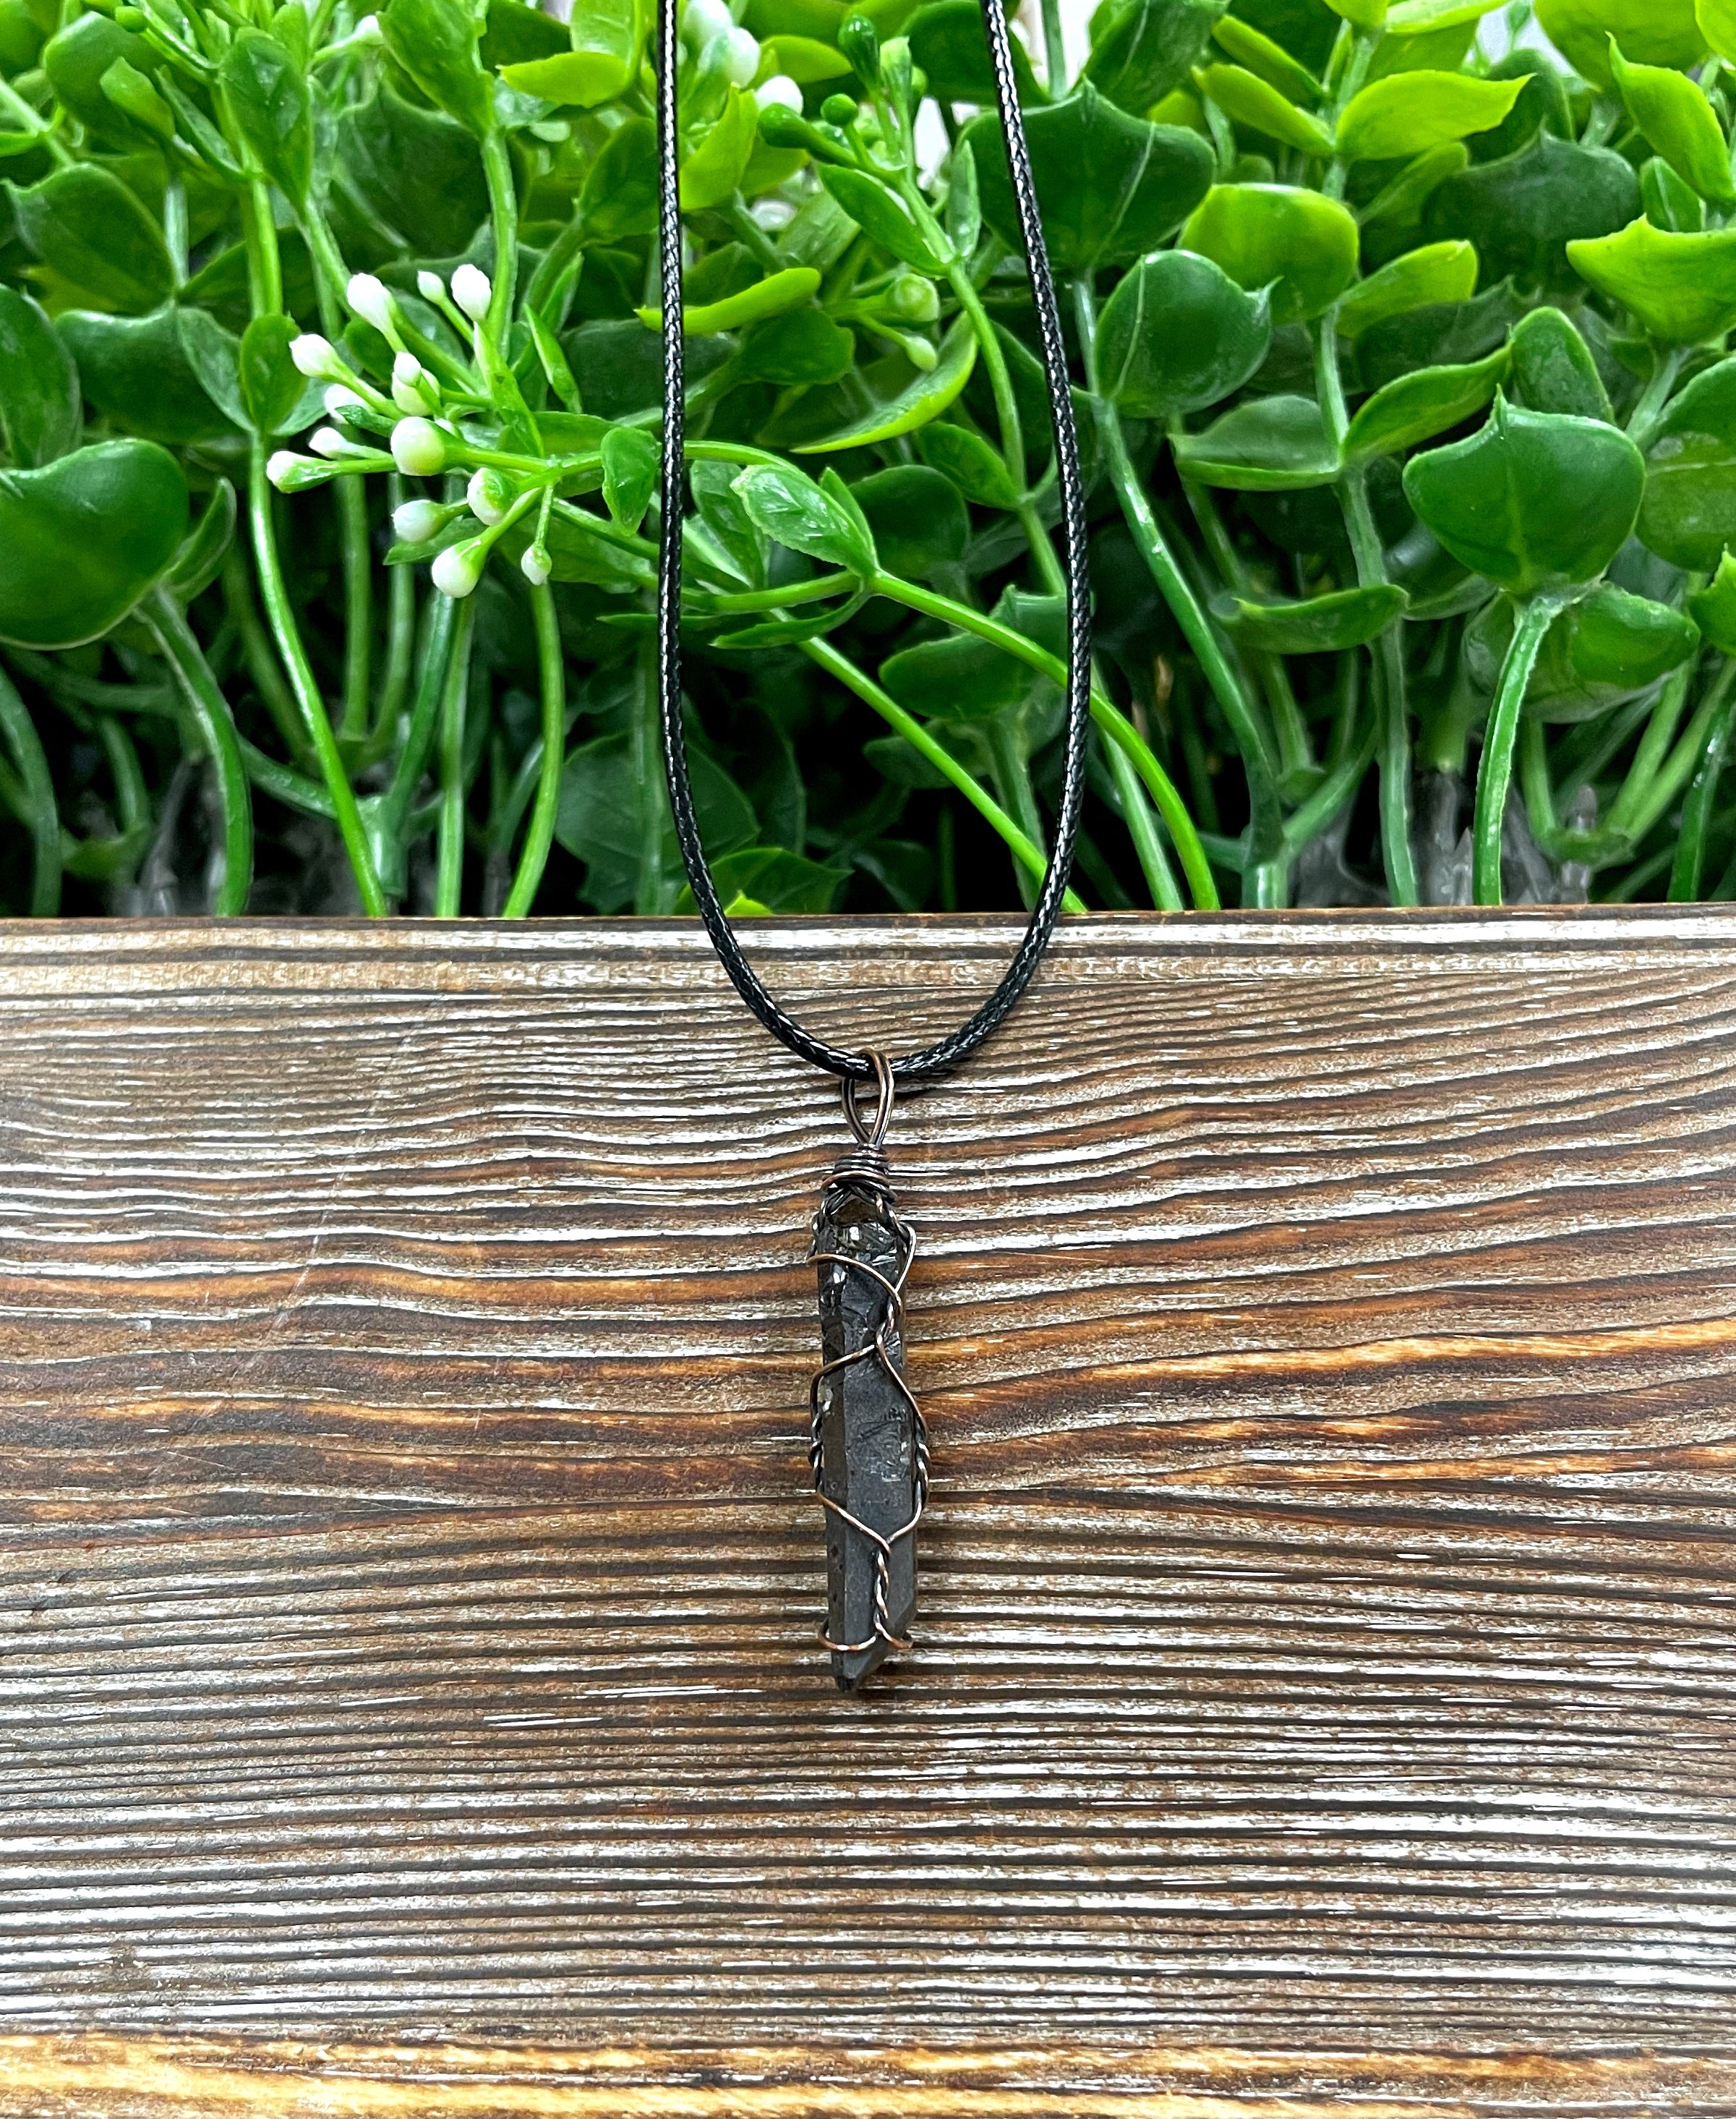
x,y
934,1059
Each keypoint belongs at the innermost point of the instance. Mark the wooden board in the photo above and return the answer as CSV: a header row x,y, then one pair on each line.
x,y
1325,1696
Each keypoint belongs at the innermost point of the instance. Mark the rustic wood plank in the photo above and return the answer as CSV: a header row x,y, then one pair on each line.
x,y
1324,1700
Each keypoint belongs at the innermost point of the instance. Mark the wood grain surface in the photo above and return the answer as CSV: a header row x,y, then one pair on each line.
x,y
1324,1700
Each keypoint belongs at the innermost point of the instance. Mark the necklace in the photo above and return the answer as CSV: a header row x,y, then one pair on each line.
x,y
868,1447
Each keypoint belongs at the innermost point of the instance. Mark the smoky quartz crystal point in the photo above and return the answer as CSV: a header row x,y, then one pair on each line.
x,y
870,1457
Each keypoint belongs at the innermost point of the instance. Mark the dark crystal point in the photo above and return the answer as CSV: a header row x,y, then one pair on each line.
x,y
867,1425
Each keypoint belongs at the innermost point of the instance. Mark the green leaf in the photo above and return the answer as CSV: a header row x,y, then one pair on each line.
x,y
978,469
919,401
947,42
1674,114
1713,609
1706,406
1143,49
516,32
1495,502
882,216
1522,212
1261,54
766,298
76,61
1408,113
1715,19
138,374
1553,369
619,195
608,41
271,386
41,412
134,93
268,94
1363,14
722,527
1669,203
1420,18
1690,500
1301,245
630,461
1321,625
789,628
1268,445
803,59
1177,335
915,516
1681,289
1608,647
711,172
1655,32
1113,187
795,512
419,171
762,880
965,679
84,537
200,557
803,346
1247,100
1439,272
964,200
1416,407
435,43
85,222
611,811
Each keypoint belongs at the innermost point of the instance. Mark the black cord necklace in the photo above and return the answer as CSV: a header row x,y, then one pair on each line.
x,y
868,1446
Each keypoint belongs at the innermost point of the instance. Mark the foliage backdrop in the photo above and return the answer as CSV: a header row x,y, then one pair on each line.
x,y
328,385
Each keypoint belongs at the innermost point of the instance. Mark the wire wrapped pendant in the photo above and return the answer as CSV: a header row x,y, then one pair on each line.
x,y
868,1445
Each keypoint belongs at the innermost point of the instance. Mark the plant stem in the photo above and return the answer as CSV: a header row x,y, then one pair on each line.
x,y
1136,813
401,641
38,790
497,168
1495,768
1029,854
261,664
1266,817
280,617
1643,419
1012,778
1686,875
1397,854
449,877
1054,49
1107,716
540,836
181,650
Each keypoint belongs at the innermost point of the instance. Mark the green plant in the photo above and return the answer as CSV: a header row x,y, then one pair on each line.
x,y
329,394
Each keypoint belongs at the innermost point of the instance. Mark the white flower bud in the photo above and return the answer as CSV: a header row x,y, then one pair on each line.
x,y
417,447
430,286
457,569
372,301
283,467
738,59
417,521
315,358
703,20
781,90
341,402
367,31
328,441
413,388
534,566
472,292
489,496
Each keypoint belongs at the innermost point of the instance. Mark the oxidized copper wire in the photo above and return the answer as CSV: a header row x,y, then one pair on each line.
x,y
865,1167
